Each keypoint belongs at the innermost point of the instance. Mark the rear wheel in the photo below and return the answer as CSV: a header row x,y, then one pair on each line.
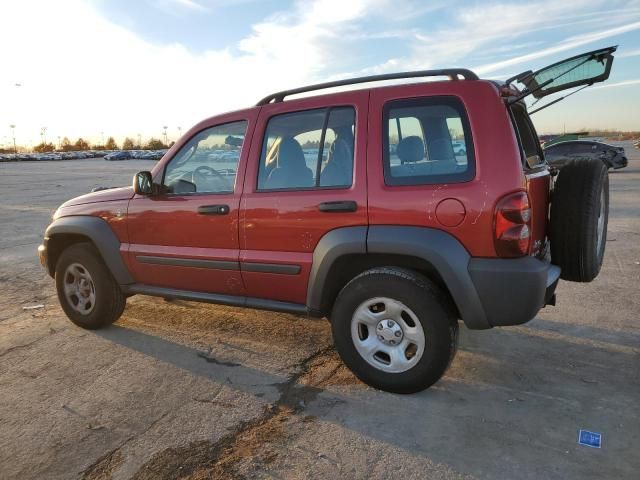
x,y
579,218
394,329
87,291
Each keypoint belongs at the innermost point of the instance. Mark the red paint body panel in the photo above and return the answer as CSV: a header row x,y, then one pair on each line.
x,y
286,288
450,212
538,188
170,225
273,225
114,212
284,227
107,195
497,161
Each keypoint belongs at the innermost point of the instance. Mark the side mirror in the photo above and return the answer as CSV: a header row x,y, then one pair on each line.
x,y
142,183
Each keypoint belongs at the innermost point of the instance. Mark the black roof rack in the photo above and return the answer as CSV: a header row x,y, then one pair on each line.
x,y
452,73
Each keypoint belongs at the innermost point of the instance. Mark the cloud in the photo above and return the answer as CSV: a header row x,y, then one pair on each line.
x,y
567,44
482,29
191,5
624,83
176,7
83,75
630,53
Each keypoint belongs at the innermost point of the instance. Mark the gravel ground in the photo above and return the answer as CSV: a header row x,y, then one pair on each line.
x,y
185,390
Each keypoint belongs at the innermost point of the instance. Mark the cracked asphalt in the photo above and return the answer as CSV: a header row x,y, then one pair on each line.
x,y
185,390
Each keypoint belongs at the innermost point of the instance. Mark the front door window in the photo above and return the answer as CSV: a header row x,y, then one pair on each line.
x,y
207,163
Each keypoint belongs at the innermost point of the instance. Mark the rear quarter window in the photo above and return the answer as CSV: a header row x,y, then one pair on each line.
x,y
527,137
427,141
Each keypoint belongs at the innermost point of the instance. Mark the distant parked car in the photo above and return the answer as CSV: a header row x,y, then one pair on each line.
x,y
459,148
559,154
49,156
637,144
121,155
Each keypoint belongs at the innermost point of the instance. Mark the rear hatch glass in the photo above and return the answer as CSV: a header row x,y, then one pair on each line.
x,y
584,69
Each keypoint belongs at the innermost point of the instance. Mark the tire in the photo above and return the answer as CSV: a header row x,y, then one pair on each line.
x,y
415,305
579,218
88,293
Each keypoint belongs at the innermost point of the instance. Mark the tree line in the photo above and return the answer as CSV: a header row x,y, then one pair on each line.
x,y
81,144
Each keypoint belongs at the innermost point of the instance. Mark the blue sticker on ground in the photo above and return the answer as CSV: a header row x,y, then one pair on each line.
x,y
589,439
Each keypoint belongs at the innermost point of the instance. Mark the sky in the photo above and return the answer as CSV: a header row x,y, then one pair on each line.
x,y
99,68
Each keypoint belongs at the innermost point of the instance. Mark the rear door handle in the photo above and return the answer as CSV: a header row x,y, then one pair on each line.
x,y
213,209
339,206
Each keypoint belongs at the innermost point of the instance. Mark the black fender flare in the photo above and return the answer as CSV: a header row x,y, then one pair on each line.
x,y
440,249
102,236
333,245
445,253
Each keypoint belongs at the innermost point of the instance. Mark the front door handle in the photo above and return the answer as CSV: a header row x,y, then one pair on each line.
x,y
213,209
339,206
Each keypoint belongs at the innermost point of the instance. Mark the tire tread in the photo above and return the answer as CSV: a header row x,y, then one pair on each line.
x,y
574,212
419,377
108,308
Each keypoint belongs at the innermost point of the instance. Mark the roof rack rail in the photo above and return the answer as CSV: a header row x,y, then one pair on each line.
x,y
452,73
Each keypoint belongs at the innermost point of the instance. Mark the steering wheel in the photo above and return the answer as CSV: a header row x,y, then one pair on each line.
x,y
204,174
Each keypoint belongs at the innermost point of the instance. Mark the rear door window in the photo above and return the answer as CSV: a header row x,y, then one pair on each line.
x,y
427,141
308,149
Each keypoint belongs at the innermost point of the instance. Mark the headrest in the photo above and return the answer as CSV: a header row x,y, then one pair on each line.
x,y
410,149
290,153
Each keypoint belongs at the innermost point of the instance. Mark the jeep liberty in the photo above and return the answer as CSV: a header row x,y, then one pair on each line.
x,y
394,211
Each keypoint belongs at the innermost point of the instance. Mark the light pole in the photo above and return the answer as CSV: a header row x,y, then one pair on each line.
x,y
165,134
139,141
59,143
13,134
179,131
43,135
12,126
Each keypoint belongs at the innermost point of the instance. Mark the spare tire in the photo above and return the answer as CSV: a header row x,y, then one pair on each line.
x,y
579,217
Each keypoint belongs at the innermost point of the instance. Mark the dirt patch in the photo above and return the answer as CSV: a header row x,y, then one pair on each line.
x,y
328,370
204,459
254,441
104,467
214,324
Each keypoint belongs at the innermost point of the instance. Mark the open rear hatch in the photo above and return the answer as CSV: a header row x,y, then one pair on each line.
x,y
579,71
576,72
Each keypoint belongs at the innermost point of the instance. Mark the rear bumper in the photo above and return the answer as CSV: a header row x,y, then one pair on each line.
x,y
512,291
620,162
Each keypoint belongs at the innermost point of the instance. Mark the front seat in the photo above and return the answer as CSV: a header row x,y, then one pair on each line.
x,y
291,170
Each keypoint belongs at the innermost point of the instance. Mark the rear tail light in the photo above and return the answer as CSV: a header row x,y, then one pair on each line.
x,y
512,225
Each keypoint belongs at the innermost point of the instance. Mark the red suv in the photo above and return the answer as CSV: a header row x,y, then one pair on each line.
x,y
393,211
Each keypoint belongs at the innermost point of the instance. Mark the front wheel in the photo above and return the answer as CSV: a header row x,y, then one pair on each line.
x,y
87,291
394,329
